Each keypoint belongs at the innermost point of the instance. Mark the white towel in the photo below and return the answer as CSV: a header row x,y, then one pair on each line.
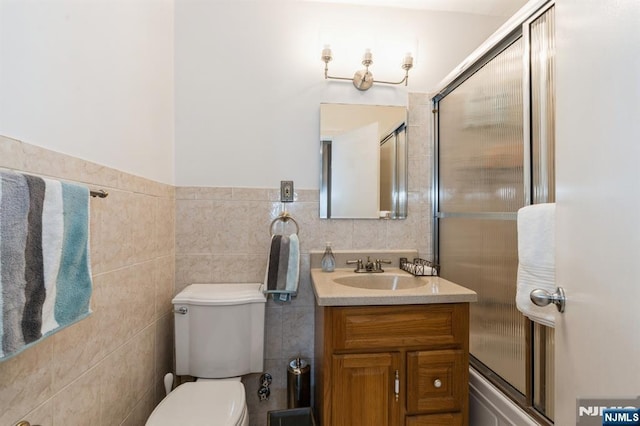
x,y
536,260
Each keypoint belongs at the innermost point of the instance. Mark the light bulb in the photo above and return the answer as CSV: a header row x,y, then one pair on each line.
x,y
326,53
408,60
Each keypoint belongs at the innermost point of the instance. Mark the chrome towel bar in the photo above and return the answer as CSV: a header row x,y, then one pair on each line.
x,y
100,193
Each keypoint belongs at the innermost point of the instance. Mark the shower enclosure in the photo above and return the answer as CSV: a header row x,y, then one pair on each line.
x,y
494,139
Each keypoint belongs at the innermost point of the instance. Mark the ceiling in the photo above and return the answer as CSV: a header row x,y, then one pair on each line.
x,y
504,8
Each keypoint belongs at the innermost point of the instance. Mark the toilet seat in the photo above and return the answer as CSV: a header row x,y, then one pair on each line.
x,y
219,403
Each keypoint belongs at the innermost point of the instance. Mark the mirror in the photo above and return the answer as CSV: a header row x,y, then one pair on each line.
x,y
364,162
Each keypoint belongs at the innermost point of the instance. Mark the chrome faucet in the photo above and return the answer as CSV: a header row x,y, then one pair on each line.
x,y
368,266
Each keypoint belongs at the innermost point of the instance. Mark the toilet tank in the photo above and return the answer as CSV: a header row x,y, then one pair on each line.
x,y
219,330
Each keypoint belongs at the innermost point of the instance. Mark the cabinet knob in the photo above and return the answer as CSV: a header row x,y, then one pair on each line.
x,y
437,383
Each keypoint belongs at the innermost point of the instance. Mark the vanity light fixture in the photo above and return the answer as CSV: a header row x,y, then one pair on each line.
x,y
363,79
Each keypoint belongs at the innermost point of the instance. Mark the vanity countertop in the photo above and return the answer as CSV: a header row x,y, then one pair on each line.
x,y
435,290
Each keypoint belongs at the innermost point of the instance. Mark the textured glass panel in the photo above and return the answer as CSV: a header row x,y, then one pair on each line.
x,y
543,49
482,255
481,139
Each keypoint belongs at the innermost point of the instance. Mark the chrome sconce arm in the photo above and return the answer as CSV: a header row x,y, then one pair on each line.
x,y
363,79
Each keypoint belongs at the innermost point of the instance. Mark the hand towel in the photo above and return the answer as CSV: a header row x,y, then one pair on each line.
x,y
283,267
45,275
536,260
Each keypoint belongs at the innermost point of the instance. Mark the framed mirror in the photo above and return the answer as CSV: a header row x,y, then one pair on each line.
x,y
364,161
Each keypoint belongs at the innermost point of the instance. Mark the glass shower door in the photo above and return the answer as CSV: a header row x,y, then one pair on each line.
x,y
481,187
495,153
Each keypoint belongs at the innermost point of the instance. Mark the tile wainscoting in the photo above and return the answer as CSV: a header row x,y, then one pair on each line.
x,y
106,369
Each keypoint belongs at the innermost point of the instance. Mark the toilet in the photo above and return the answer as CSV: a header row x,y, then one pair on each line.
x,y
219,336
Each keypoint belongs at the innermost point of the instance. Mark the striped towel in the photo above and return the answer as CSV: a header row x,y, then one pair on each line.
x,y
283,267
45,275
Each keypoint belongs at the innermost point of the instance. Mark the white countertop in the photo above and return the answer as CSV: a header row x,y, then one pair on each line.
x,y
435,290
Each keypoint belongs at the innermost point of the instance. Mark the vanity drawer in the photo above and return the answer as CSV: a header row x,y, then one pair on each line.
x,y
376,327
435,381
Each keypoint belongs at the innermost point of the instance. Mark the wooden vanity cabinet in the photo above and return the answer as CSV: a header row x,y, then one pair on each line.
x,y
401,365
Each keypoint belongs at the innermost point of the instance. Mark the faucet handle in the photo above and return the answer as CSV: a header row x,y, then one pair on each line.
x,y
379,263
357,262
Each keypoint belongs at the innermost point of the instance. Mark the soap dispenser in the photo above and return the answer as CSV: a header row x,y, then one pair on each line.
x,y
328,261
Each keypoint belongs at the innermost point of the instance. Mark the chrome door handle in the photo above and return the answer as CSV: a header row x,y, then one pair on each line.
x,y
542,298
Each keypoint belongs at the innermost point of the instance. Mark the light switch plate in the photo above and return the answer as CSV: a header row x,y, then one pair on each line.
x,y
286,191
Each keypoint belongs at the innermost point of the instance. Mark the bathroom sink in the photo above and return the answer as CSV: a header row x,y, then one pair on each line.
x,y
381,282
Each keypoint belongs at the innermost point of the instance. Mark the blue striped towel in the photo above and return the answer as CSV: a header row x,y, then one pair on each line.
x,y
45,273
283,267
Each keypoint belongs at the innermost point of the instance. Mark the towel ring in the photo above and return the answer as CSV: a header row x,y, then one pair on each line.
x,y
284,217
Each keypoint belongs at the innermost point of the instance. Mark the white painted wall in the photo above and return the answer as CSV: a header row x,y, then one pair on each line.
x,y
95,79
92,79
249,79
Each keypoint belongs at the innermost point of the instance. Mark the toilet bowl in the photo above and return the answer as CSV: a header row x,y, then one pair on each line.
x,y
203,403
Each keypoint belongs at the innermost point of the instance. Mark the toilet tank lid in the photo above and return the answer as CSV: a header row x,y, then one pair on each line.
x,y
221,294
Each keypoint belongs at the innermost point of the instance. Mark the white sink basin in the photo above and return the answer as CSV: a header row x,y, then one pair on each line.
x,y
381,282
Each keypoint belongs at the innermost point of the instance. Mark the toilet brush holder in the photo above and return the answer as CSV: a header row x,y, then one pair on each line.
x,y
298,384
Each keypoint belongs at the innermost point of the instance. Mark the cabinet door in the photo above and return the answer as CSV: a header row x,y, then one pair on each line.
x,y
435,381
364,390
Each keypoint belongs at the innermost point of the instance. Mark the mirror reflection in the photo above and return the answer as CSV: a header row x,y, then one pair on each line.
x,y
364,162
